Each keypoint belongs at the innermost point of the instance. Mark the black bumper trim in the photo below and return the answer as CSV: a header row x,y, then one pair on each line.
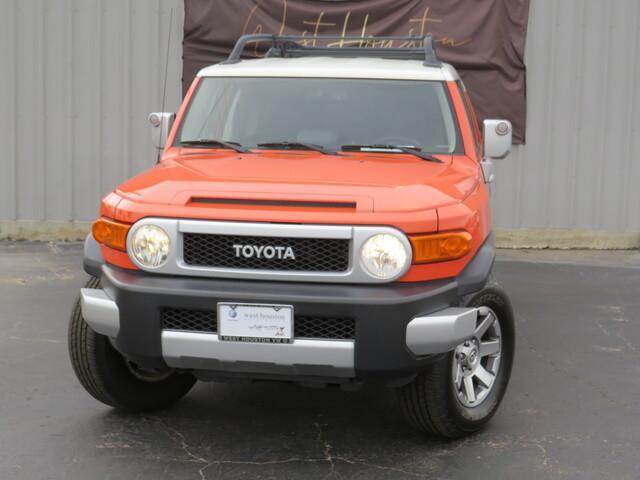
x,y
381,311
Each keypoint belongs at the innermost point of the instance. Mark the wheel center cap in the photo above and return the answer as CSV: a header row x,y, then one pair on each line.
x,y
468,355
473,356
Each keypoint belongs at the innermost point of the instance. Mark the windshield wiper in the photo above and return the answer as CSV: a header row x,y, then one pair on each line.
x,y
210,142
392,148
298,146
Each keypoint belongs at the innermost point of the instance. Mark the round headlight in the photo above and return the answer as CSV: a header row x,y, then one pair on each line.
x,y
150,246
384,256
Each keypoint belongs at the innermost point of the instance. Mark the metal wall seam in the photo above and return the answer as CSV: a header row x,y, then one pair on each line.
x,y
604,126
633,165
126,121
574,159
632,118
550,83
70,84
9,179
98,113
42,70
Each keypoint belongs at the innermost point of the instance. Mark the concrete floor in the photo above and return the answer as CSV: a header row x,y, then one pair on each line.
x,y
572,410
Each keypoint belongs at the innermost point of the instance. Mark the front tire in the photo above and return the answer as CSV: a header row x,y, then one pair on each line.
x,y
113,380
451,399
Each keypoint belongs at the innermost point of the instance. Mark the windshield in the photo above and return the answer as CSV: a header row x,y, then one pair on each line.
x,y
329,112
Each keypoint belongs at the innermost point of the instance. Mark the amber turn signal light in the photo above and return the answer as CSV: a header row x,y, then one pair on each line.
x,y
110,233
440,247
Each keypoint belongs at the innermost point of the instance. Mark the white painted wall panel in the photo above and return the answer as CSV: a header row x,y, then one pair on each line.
x,y
78,80
8,110
79,77
580,166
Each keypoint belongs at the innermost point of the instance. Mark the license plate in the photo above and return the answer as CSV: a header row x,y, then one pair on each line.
x,y
249,322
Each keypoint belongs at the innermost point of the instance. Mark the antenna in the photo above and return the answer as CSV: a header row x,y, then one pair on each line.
x,y
166,70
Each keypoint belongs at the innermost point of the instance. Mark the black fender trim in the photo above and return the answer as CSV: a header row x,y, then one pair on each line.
x,y
476,274
93,260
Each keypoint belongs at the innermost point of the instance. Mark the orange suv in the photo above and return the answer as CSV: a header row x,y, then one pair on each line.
x,y
320,215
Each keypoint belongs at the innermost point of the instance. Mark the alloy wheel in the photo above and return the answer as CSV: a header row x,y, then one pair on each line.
x,y
476,362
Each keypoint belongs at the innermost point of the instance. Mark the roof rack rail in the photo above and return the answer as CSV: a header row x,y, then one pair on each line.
x,y
293,46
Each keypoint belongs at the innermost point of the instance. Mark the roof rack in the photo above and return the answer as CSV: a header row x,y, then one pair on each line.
x,y
290,46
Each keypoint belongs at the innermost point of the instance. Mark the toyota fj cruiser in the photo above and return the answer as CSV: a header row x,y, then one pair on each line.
x,y
320,215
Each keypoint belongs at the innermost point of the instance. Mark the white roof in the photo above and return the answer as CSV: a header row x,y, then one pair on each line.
x,y
331,67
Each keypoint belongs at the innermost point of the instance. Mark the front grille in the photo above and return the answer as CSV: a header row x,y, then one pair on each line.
x,y
324,327
311,254
191,320
304,326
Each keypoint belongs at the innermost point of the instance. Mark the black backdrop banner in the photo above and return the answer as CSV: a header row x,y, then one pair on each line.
x,y
483,39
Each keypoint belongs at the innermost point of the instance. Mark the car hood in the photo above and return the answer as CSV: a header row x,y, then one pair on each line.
x,y
366,182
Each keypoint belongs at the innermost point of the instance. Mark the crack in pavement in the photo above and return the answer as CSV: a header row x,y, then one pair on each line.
x,y
175,434
618,328
30,340
326,447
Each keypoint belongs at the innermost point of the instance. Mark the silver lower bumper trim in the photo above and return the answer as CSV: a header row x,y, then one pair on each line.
x,y
100,311
206,351
438,332
441,331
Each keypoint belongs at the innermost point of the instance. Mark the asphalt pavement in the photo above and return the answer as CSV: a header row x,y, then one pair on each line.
x,y
572,409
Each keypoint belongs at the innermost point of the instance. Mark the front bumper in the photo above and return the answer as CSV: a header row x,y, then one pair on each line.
x,y
400,327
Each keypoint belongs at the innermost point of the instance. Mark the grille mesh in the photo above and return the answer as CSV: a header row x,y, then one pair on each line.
x,y
324,327
305,326
311,254
191,320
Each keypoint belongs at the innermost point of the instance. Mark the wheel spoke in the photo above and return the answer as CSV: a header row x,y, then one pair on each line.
x,y
490,347
485,377
469,389
484,325
458,376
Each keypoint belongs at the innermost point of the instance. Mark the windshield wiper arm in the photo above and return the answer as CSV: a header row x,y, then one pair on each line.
x,y
210,142
391,148
297,146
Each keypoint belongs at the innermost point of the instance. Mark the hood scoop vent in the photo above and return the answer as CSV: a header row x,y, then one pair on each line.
x,y
226,202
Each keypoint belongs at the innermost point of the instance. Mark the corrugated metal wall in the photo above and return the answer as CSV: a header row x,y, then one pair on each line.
x,y
580,167
79,77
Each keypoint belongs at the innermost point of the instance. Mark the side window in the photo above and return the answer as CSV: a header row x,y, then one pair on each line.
x,y
471,115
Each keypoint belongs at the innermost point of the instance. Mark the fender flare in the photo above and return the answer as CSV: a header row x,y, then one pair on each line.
x,y
476,274
93,260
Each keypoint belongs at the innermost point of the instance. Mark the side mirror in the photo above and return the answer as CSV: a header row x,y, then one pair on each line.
x,y
161,123
497,138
